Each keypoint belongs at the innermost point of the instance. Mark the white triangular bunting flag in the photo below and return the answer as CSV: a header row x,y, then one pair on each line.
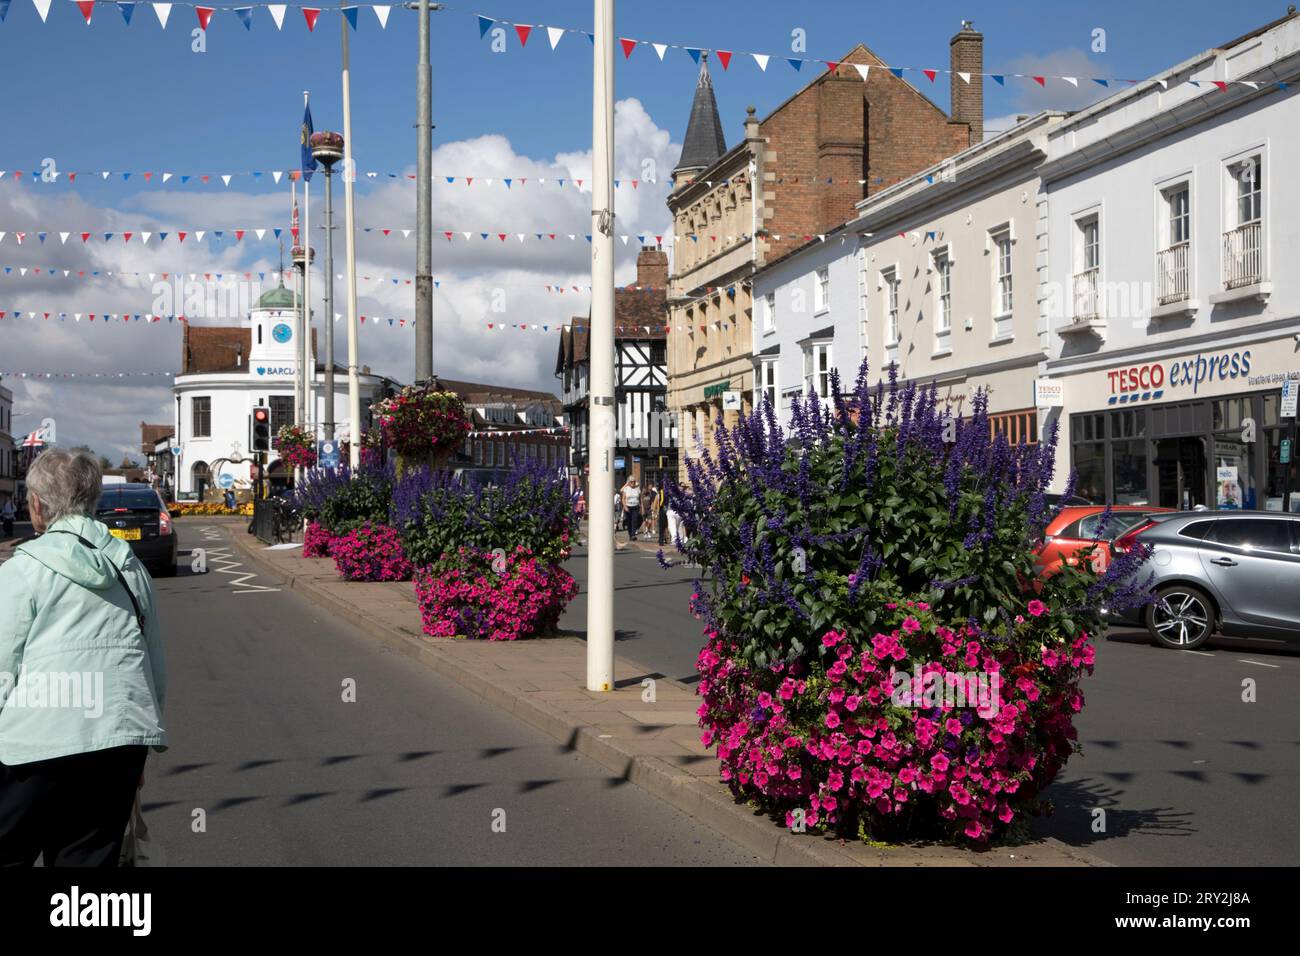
x,y
965,77
761,59
105,173
198,236
166,176
259,233
864,70
381,13
63,238
144,237
520,235
624,238
225,178
276,174
553,34
43,8
277,14
406,234
660,48
1163,83
1252,84
163,11
22,270
1072,80
465,234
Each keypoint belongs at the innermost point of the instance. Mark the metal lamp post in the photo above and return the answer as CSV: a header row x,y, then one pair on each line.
x,y
327,149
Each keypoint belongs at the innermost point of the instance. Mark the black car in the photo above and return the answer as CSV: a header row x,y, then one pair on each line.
x,y
136,514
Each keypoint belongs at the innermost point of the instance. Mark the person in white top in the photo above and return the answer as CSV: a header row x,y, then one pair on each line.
x,y
632,507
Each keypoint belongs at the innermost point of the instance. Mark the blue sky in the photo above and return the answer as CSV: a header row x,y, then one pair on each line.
x,y
118,97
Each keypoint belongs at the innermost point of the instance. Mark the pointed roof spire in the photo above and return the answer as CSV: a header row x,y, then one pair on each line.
x,y
704,142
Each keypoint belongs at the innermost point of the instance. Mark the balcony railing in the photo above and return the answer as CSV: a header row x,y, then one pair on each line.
x,y
1171,274
1087,304
1243,258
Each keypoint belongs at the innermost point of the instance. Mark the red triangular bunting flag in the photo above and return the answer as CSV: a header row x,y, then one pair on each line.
x,y
385,231
87,8
85,236
523,31
931,74
126,236
205,14
1220,84
831,65
1041,81
180,236
628,47
239,234
724,57
311,13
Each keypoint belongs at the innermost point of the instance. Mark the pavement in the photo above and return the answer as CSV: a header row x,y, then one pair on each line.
x,y
644,731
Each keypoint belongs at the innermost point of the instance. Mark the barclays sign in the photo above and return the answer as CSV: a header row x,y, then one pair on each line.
x,y
273,370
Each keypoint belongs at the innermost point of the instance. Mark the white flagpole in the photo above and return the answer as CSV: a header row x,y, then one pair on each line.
x,y
297,311
308,361
600,549
354,384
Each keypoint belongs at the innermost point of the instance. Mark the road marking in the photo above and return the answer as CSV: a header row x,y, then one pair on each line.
x,y
1202,653
227,562
1260,663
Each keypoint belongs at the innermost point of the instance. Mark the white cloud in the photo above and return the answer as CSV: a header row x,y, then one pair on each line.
x,y
475,276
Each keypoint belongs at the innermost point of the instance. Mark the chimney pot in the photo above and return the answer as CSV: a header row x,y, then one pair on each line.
x,y
966,54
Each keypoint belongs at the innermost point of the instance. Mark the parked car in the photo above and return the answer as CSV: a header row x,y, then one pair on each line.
x,y
1232,572
135,513
1054,501
1083,533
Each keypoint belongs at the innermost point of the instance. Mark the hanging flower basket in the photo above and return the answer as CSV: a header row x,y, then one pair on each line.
x,y
422,424
296,446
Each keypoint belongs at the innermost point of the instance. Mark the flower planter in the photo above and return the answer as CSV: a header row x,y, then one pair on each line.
x,y
370,552
491,596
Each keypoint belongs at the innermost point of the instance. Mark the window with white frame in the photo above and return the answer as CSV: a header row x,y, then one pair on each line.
x,y
1003,290
768,382
889,278
817,369
822,290
769,312
1173,256
1243,259
943,292
1087,269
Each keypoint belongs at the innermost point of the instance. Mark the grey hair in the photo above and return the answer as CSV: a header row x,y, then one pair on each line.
x,y
67,483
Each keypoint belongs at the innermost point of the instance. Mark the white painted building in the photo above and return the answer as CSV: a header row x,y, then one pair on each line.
x,y
1170,302
8,448
226,372
936,275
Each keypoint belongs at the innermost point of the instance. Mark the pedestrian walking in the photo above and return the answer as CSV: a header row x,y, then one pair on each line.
x,y
632,507
230,499
661,513
76,602
7,513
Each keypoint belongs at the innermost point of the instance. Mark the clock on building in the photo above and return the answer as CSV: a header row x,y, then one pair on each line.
x,y
281,333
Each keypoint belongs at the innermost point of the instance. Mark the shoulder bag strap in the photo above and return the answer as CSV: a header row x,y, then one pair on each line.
x,y
135,605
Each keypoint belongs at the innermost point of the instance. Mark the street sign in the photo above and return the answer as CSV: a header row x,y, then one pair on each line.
x,y
327,453
1285,456
731,401
225,480
1290,395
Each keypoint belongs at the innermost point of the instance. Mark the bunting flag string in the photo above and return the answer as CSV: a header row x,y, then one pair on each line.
x,y
21,272
88,375
724,57
231,237
107,318
203,13
160,177
516,432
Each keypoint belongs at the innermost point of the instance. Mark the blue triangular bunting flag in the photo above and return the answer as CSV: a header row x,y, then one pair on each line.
x,y
695,54
897,71
245,15
351,14
126,8
797,64
484,25
1105,83
999,79
4,9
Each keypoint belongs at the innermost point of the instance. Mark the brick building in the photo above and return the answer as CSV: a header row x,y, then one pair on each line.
x,y
842,137
508,426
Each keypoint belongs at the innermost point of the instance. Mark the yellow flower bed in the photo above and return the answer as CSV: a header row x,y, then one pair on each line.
x,y
182,508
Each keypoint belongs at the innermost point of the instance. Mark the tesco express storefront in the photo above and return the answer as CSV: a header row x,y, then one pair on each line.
x,y
1199,428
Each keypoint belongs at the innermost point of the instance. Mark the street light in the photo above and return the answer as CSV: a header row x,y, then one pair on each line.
x,y
327,149
424,199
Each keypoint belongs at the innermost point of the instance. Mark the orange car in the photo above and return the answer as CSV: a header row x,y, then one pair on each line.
x,y
1076,535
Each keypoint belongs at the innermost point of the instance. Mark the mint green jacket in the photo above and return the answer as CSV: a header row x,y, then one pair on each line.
x,y
76,673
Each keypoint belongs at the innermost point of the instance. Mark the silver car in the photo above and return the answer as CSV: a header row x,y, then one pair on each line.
x,y
1235,572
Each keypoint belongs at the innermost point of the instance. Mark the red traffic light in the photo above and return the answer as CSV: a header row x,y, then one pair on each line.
x,y
261,415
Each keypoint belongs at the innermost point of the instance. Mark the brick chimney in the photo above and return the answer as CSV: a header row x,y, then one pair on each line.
x,y
966,52
652,268
839,135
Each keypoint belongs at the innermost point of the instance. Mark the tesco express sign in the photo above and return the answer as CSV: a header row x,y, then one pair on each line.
x,y
1140,383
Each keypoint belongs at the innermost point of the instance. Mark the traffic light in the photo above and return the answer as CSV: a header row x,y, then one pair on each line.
x,y
261,428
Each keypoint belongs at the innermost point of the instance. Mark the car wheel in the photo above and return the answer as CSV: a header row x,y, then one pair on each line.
x,y
1181,617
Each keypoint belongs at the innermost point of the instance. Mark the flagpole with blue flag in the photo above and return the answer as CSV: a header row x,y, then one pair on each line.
x,y
308,363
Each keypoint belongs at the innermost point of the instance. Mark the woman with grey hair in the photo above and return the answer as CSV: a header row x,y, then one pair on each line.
x,y
81,676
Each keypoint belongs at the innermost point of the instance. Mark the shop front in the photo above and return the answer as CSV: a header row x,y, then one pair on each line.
x,y
1204,428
